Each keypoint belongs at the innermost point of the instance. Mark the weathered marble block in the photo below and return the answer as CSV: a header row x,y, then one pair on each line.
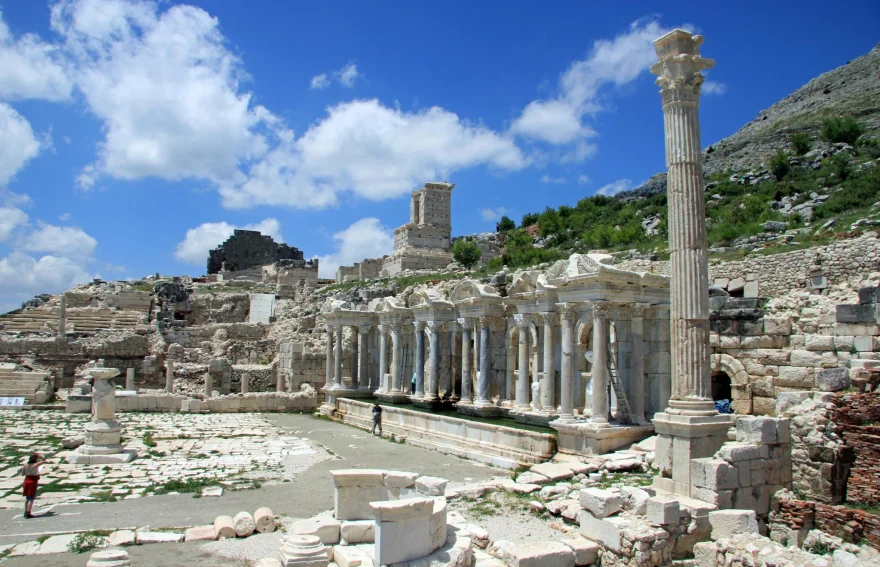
x,y
355,489
403,529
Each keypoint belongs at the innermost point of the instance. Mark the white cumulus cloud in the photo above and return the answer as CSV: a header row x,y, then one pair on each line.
x,y
583,179
18,142
22,276
10,218
319,82
614,187
194,248
373,151
366,238
713,87
493,214
610,63
549,179
347,75
31,68
63,241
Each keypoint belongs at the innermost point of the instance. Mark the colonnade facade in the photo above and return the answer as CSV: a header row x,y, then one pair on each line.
x,y
547,351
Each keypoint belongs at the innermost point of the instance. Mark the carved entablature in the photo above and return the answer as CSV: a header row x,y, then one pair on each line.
x,y
475,299
429,305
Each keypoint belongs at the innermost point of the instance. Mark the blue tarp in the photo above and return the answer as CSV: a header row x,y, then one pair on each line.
x,y
723,406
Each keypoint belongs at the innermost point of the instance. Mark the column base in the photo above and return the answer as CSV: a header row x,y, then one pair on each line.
x,y
480,409
542,418
681,438
431,402
393,397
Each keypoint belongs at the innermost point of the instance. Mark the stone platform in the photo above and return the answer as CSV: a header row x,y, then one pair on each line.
x,y
583,438
393,397
501,446
475,410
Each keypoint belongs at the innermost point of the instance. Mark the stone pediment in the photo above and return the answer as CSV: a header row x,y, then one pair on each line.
x,y
473,290
524,283
332,305
428,298
577,265
386,305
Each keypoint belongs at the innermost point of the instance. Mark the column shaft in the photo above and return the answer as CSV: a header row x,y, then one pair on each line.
x,y
600,366
337,361
328,382
395,359
383,360
522,384
483,382
547,387
434,363
567,386
355,358
363,358
466,383
637,383
420,358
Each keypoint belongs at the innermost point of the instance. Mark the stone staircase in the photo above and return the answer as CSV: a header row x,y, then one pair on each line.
x,y
85,321
34,387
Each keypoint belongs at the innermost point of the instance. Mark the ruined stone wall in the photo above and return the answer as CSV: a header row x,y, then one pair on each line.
x,y
779,274
800,516
298,367
370,269
249,249
218,308
344,271
855,415
292,275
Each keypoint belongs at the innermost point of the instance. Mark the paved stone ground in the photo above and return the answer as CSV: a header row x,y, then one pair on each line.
x,y
302,494
235,450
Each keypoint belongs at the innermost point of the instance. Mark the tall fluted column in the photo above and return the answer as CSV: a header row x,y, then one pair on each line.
x,y
566,393
547,401
419,327
466,383
637,368
680,79
453,392
328,382
384,386
432,391
600,366
355,358
477,359
483,382
522,383
395,359
337,367
363,358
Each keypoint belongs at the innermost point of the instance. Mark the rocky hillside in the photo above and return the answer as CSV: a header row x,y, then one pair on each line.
x,y
851,89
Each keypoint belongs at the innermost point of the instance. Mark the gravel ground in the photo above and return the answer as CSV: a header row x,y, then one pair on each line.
x,y
512,521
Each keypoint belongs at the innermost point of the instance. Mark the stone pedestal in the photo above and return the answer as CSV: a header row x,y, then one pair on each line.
x,y
103,434
129,379
402,529
303,551
681,438
109,558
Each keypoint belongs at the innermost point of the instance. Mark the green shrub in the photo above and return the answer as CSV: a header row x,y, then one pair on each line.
x,y
779,165
529,219
87,541
800,143
506,224
842,129
466,253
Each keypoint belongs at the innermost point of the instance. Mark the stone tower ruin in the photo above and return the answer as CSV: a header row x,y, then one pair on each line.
x,y
423,243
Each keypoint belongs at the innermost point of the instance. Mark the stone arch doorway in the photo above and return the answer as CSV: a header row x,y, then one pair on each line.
x,y
721,389
740,387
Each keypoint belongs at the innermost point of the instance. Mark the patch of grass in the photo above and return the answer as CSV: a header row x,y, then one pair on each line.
x,y
627,479
148,439
820,548
103,496
519,470
87,541
189,486
869,508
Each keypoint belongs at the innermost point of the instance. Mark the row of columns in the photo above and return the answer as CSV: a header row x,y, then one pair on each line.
x,y
475,354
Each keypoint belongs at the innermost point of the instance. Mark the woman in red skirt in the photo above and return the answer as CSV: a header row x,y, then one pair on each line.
x,y
31,472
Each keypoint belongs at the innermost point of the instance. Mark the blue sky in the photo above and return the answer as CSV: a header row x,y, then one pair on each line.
x,y
136,135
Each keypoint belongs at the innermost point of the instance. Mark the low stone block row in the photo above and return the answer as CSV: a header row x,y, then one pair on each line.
x,y
571,552
242,525
268,401
356,489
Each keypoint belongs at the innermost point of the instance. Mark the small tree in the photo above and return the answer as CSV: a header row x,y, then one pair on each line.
x,y
779,165
800,143
466,253
843,129
529,219
506,224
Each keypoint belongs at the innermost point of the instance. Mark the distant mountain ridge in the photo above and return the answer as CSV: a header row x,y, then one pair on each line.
x,y
853,88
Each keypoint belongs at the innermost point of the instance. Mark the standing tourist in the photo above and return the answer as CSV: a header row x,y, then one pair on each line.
x,y
31,472
377,419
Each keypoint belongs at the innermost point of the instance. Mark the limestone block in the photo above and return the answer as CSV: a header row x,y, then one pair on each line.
x,y
244,524
600,503
736,284
728,523
327,529
128,537
224,527
357,531
705,554
833,379
721,499
634,499
663,510
355,489
586,552
605,531
198,533
540,554
431,485
159,537
786,400
402,529
109,558
345,556
437,526
818,342
796,376
777,325
264,520
554,472
400,479
735,452
804,358
863,344
713,474
531,478
752,429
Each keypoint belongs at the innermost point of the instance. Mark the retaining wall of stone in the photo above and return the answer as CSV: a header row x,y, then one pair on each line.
x,y
302,401
856,415
800,516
